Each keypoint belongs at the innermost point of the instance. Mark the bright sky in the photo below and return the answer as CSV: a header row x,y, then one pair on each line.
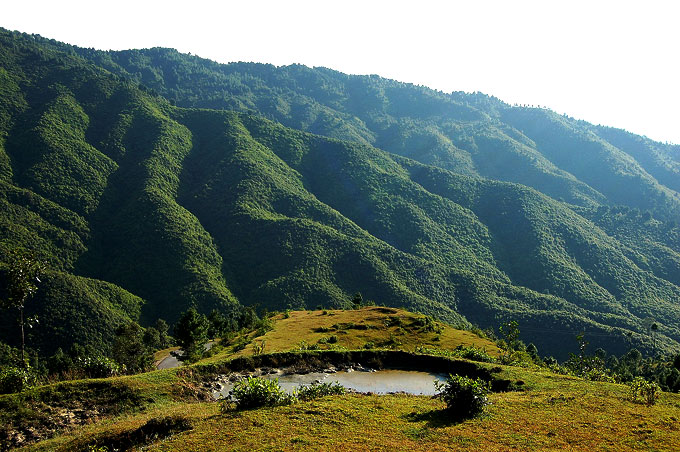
x,y
608,62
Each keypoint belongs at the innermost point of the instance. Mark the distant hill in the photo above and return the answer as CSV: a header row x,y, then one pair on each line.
x,y
454,205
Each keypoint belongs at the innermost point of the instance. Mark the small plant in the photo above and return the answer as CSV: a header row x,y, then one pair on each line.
x,y
286,314
258,348
255,392
646,391
95,448
317,390
464,396
304,346
369,345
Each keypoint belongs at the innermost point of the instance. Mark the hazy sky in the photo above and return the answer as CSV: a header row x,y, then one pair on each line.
x,y
608,62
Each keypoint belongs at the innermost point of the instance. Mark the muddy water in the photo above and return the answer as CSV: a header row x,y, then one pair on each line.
x,y
378,382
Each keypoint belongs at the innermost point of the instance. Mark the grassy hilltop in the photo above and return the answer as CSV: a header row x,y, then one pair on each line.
x,y
164,410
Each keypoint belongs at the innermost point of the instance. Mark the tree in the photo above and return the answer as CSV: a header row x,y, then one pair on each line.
x,y
219,324
191,332
510,339
130,349
21,279
357,300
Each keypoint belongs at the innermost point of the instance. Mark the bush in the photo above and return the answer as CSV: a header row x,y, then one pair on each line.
x,y
328,340
98,366
317,390
263,326
646,391
255,392
15,379
473,354
464,396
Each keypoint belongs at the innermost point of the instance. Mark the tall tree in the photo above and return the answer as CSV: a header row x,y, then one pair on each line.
x,y
191,332
21,282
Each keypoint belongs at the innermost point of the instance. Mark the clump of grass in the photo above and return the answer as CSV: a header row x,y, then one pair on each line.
x,y
318,390
323,329
329,340
304,346
392,320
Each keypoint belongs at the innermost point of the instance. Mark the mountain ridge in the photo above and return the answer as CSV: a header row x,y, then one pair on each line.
x,y
178,206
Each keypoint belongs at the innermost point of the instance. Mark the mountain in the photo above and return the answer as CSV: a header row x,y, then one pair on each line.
x,y
151,181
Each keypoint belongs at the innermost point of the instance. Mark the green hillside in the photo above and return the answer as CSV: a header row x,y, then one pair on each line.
x,y
470,134
172,409
456,206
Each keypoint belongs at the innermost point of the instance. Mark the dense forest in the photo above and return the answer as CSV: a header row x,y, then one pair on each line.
x,y
149,182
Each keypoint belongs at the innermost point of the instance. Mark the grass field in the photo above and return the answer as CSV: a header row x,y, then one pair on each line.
x,y
552,412
369,327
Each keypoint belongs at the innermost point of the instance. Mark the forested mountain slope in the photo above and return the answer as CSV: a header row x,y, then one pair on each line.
x,y
470,134
481,212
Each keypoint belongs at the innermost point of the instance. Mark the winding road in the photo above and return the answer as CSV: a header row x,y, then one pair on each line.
x,y
174,357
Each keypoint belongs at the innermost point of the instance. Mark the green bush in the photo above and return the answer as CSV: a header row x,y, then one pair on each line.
x,y
644,391
473,353
464,396
98,366
317,390
255,392
15,379
328,340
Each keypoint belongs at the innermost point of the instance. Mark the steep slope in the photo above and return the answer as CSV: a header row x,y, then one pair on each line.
x,y
89,179
127,197
471,134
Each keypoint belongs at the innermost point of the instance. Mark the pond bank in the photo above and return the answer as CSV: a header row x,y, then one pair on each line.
x,y
211,375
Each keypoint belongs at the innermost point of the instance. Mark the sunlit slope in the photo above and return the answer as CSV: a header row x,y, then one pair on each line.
x,y
131,198
354,329
159,410
508,236
472,134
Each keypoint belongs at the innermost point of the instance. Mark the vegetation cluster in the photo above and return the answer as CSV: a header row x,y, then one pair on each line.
x,y
148,182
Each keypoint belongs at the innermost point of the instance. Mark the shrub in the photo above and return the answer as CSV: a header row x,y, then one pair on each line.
x,y
263,326
304,346
15,379
646,391
255,392
329,340
464,396
317,390
98,366
473,353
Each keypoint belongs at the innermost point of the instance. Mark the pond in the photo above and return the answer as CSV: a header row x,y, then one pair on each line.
x,y
378,382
